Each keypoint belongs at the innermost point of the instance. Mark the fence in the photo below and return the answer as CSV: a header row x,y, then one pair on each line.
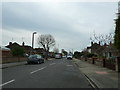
x,y
108,63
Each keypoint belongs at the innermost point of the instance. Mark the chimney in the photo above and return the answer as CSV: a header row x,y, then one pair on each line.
x,y
91,43
110,43
99,42
23,44
105,44
10,43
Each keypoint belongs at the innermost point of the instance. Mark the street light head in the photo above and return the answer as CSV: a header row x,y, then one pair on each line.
x,y
35,33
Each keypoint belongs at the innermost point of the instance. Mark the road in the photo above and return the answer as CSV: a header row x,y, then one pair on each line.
x,y
59,73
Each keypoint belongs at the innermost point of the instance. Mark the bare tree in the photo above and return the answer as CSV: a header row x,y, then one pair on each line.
x,y
103,38
46,41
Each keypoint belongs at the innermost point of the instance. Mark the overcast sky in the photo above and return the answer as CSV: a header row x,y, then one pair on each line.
x,y
71,23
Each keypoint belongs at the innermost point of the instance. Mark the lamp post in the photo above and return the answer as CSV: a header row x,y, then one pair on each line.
x,y
33,40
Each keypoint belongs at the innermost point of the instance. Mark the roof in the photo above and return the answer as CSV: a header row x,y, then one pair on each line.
x,y
4,48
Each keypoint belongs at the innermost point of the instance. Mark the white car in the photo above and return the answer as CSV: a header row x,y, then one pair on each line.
x,y
69,57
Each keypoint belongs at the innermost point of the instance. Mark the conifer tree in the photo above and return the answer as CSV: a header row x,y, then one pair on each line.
x,y
117,33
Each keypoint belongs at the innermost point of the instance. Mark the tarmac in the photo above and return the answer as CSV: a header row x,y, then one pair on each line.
x,y
99,76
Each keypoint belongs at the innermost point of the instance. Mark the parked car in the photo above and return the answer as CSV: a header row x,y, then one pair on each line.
x,y
35,59
57,56
69,57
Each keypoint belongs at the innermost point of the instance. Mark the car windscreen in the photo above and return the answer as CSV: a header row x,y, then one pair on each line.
x,y
32,56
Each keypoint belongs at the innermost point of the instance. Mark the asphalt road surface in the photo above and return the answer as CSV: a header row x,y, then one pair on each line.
x,y
59,73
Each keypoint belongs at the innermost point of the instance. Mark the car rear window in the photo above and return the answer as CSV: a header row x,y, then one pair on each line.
x,y
32,56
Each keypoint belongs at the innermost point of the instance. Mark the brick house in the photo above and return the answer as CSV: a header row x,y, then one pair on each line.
x,y
5,52
39,51
95,48
103,50
110,51
26,48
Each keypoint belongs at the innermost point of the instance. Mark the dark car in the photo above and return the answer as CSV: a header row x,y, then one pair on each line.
x,y
35,59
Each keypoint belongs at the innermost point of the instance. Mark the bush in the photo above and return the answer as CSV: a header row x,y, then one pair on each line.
x,y
18,51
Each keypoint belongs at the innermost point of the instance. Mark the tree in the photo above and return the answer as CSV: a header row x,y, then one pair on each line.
x,y
117,33
77,54
17,51
103,38
46,41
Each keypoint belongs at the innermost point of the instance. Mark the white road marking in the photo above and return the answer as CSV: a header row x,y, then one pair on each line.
x,y
69,65
37,70
7,82
52,63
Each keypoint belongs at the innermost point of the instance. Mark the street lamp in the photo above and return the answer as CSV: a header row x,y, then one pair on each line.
x,y
33,40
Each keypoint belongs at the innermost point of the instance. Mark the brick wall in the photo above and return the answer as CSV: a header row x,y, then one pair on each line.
x,y
13,59
6,53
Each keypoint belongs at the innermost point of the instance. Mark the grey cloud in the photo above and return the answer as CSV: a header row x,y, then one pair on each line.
x,y
71,22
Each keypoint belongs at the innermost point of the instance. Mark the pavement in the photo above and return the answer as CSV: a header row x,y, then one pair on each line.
x,y
99,76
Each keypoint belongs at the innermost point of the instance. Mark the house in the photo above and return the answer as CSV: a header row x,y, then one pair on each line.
x,y
88,49
5,52
12,45
39,51
110,51
26,48
103,50
95,48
